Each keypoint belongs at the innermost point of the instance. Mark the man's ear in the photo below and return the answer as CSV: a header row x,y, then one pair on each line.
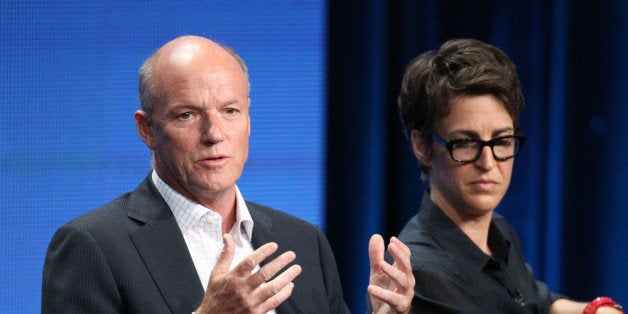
x,y
421,147
145,128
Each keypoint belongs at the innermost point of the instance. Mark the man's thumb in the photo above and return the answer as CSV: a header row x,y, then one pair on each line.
x,y
226,256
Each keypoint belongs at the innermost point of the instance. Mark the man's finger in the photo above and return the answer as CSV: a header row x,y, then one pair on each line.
x,y
270,269
246,266
398,276
274,301
401,254
404,248
269,289
376,251
401,271
226,256
391,298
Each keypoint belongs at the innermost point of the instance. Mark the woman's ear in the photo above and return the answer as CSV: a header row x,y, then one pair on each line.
x,y
421,147
145,128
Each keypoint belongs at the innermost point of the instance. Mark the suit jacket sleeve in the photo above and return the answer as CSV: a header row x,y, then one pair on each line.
x,y
128,256
65,290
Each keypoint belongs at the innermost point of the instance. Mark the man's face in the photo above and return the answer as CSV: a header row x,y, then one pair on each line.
x,y
474,188
201,126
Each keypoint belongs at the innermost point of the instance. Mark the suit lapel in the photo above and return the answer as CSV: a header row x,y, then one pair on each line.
x,y
164,251
263,232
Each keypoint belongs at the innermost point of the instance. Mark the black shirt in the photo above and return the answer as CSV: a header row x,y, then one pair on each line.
x,y
454,276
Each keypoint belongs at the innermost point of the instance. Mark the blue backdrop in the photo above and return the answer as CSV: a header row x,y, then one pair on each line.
x,y
68,90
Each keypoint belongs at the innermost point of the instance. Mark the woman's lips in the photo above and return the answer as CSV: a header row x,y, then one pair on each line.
x,y
484,185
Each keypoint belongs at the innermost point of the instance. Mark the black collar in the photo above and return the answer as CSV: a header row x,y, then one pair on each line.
x,y
451,238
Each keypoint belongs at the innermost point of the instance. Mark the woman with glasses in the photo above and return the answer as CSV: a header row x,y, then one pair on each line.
x,y
460,107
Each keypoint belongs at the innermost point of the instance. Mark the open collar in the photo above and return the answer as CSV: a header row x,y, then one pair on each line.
x,y
452,239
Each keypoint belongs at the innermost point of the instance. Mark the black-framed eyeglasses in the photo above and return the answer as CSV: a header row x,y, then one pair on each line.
x,y
470,149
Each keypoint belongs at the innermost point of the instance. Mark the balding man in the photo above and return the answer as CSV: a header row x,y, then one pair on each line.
x,y
186,240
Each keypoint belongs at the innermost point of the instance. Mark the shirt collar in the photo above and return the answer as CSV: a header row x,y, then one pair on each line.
x,y
449,236
243,216
187,213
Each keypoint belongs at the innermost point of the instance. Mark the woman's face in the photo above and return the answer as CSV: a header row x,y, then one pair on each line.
x,y
473,189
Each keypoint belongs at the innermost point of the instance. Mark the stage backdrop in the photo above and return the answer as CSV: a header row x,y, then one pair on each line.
x,y
68,90
326,143
568,198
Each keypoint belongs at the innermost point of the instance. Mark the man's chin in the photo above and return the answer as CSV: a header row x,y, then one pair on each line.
x,y
213,188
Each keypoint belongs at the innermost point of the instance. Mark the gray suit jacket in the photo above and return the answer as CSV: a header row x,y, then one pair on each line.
x,y
129,256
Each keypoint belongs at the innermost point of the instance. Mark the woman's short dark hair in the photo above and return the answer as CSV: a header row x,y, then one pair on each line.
x,y
460,67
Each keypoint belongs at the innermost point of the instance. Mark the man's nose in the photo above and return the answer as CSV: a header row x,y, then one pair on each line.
x,y
212,130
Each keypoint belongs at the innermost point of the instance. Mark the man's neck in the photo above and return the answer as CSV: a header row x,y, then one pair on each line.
x,y
225,204
222,202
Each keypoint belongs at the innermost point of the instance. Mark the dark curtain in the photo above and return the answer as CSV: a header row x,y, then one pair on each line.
x,y
567,198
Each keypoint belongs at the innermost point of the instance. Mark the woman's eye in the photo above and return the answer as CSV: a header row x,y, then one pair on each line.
x,y
504,142
466,143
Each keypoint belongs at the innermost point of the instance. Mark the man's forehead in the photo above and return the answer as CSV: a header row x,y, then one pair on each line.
x,y
183,56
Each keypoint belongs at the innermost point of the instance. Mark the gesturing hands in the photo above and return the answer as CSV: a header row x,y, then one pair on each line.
x,y
240,291
391,287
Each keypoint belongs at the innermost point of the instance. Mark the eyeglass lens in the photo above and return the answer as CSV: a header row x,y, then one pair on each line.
x,y
469,150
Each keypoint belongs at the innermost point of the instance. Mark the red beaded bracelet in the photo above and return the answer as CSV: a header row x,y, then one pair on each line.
x,y
599,302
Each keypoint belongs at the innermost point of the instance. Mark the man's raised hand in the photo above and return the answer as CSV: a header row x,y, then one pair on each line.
x,y
241,291
391,287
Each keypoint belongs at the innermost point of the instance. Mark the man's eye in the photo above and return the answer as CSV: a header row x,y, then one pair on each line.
x,y
231,110
184,116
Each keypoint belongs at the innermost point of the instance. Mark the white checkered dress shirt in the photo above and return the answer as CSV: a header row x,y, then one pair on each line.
x,y
202,229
